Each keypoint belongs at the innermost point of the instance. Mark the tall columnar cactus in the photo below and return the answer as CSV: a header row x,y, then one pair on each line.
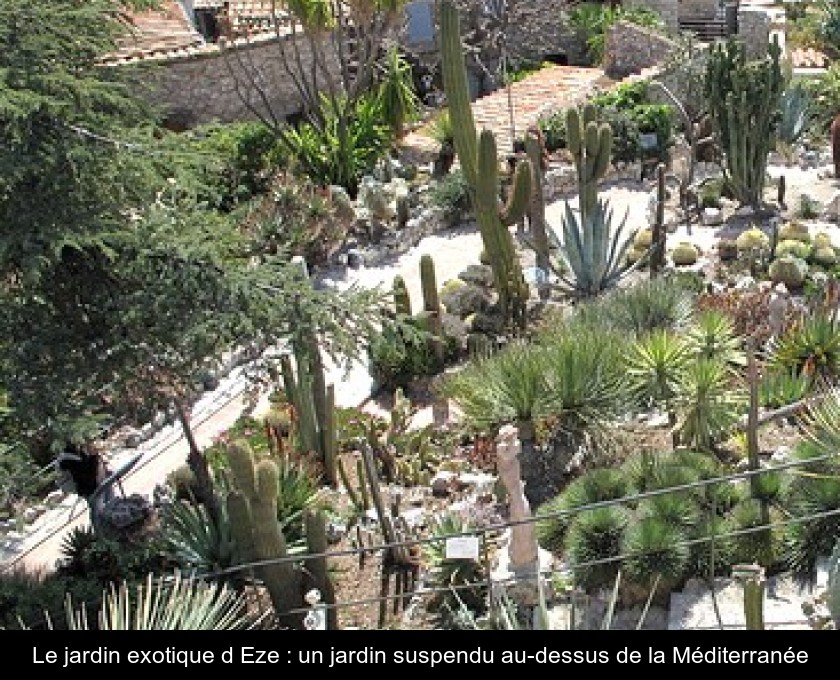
x,y
431,307
658,245
252,507
479,161
402,300
590,144
536,210
743,97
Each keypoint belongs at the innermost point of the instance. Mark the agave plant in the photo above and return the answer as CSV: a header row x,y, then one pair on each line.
x,y
178,603
592,252
794,114
197,542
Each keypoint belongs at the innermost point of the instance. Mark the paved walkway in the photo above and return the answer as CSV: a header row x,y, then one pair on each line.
x,y
550,89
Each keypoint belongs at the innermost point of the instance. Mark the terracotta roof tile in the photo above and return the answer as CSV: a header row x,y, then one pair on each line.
x,y
157,32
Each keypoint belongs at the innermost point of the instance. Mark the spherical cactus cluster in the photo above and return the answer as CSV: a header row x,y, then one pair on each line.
x,y
793,247
794,231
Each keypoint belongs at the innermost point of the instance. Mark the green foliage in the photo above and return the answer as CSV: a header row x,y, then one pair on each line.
x,y
466,578
708,402
652,304
222,165
712,336
593,538
36,600
196,542
353,137
592,251
655,365
593,20
399,353
780,387
166,604
553,129
397,99
594,486
825,98
655,548
451,193
810,348
88,556
750,544
743,98
629,111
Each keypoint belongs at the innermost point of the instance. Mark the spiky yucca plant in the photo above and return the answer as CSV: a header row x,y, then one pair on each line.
x,y
712,335
709,403
177,603
654,366
196,541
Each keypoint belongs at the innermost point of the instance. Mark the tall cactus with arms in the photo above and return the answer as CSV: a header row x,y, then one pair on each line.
x,y
592,251
479,161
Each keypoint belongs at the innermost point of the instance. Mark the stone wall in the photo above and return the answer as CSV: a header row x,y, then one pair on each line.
x,y
667,9
218,84
754,30
630,49
697,9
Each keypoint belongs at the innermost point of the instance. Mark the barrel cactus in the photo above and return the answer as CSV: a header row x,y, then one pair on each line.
x,y
753,240
794,231
685,254
822,240
789,270
793,247
825,256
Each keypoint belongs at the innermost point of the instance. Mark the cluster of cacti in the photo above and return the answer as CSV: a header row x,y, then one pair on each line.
x,y
795,231
252,508
313,400
685,254
795,248
593,250
479,161
743,98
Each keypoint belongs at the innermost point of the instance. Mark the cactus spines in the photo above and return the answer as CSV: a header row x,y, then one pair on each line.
x,y
252,505
402,300
479,162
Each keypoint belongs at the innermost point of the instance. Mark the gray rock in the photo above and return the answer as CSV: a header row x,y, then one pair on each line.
x,y
54,498
133,438
355,259
478,275
466,300
32,513
442,483
712,217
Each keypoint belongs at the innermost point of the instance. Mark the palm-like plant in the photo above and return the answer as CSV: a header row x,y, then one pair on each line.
x,y
397,98
510,386
594,542
656,549
709,402
655,365
712,335
178,603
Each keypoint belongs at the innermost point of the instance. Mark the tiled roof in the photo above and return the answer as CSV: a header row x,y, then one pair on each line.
x,y
156,32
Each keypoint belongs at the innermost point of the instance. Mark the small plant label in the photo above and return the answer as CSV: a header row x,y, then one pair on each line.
x,y
462,548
